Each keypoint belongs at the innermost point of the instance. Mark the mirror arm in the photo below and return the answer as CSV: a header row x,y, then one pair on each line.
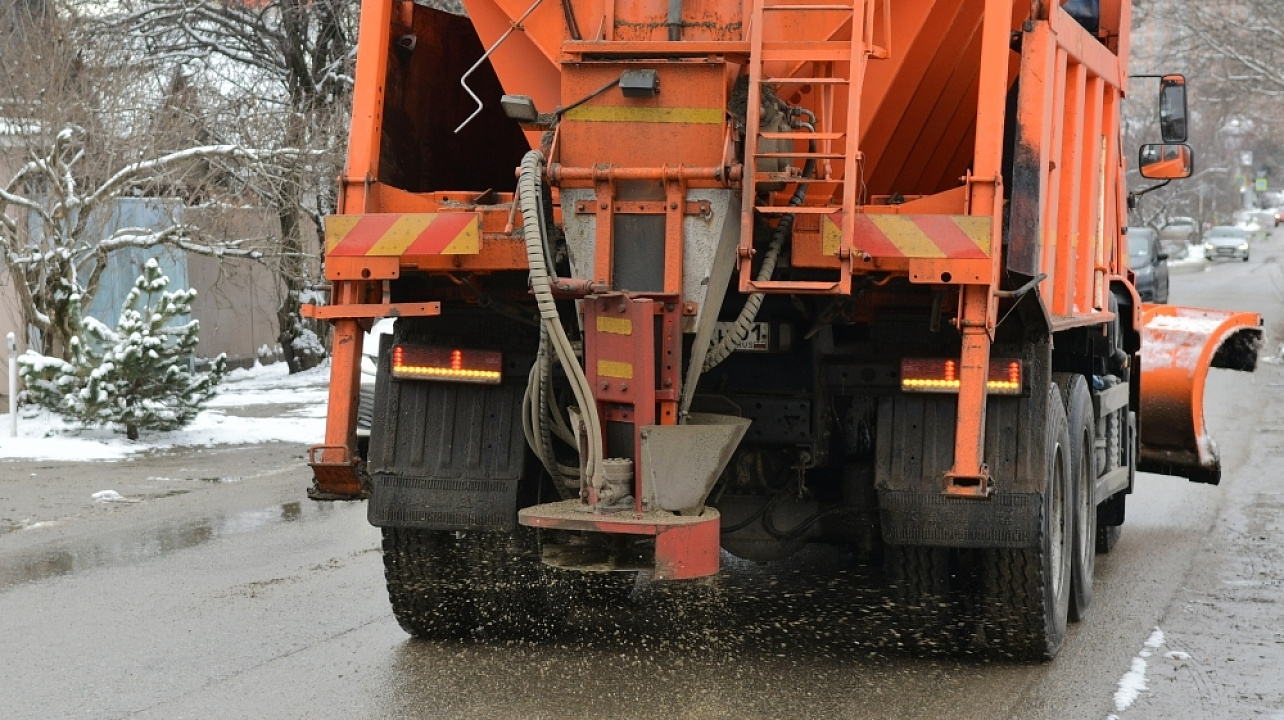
x,y
1132,196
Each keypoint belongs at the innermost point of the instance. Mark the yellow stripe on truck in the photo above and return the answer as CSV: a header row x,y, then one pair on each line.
x,y
613,113
614,369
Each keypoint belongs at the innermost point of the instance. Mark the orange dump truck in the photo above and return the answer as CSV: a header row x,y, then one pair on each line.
x,y
679,277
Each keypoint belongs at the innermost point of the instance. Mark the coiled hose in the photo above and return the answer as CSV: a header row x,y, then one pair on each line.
x,y
537,413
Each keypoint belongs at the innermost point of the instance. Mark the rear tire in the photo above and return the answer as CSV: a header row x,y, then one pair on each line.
x,y
427,583
445,585
1027,590
920,582
1081,423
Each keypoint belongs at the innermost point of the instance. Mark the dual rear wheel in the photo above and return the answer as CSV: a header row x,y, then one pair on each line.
x,y
1016,601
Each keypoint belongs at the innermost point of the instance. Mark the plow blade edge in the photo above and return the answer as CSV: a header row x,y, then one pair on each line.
x,y
1178,346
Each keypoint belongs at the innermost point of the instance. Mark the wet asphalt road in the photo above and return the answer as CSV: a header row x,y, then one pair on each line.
x,y
224,593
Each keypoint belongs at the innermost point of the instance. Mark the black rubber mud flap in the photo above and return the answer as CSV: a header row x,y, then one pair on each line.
x,y
446,456
916,447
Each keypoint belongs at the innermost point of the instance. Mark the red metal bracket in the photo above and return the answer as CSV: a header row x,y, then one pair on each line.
x,y
334,312
336,473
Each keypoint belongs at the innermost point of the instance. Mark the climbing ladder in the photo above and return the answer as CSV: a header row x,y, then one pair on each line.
x,y
820,52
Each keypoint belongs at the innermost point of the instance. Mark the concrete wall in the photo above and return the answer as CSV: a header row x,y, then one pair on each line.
x,y
236,303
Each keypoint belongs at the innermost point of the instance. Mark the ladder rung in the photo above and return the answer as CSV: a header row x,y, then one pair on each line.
x,y
818,51
801,136
807,81
800,210
802,155
845,8
812,287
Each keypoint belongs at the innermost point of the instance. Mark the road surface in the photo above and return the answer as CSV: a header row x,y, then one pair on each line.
x,y
216,590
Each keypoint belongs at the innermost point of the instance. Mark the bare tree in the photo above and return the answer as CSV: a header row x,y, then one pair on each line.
x,y
1235,55
1229,112
87,126
277,73
57,248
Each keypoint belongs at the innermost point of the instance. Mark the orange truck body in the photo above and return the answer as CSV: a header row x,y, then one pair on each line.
x,y
962,164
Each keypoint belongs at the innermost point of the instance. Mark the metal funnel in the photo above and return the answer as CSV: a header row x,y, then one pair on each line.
x,y
680,463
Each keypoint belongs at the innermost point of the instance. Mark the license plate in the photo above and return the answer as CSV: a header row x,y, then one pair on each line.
x,y
758,339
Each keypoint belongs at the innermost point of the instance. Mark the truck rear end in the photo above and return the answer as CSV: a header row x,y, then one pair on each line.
x,y
678,278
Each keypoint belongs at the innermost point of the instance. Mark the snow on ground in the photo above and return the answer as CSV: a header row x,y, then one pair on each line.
x,y
300,418
1194,257
1133,683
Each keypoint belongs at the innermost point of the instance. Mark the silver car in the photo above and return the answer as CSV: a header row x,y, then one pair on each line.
x,y
1226,243
369,371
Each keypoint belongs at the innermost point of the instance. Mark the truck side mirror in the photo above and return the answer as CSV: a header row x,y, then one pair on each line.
x,y
1165,162
1172,108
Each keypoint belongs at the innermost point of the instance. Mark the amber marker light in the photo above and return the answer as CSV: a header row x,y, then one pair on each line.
x,y
452,364
940,375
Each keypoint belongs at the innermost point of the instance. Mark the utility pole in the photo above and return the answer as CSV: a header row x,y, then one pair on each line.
x,y
12,344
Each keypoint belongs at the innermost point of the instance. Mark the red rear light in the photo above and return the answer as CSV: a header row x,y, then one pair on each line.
x,y
455,364
941,375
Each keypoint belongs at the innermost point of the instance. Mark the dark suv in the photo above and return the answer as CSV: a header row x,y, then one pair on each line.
x,y
1149,263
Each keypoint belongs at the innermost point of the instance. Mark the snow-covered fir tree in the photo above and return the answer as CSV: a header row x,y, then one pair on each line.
x,y
134,376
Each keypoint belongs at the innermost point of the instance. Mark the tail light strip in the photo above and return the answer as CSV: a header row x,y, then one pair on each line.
x,y
940,375
456,364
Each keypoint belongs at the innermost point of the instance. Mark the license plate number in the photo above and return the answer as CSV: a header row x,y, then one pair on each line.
x,y
758,339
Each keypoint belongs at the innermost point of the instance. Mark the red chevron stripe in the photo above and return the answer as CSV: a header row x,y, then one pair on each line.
x,y
368,231
439,233
868,238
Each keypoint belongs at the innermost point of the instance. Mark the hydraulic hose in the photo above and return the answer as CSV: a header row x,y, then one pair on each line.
x,y
530,199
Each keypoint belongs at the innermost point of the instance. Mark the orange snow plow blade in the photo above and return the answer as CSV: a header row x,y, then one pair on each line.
x,y
1178,346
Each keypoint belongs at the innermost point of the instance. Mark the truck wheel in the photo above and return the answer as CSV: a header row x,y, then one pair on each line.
x,y
1080,420
427,583
445,585
1027,590
920,583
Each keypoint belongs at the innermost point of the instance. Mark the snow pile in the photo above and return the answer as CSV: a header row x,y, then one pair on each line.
x,y
111,496
285,408
1194,257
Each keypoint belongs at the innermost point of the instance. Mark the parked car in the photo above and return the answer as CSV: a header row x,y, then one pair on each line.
x,y
1175,249
1226,242
1180,230
1149,264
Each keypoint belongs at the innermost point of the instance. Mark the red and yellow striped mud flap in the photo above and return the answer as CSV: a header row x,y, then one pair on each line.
x,y
400,234
950,249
